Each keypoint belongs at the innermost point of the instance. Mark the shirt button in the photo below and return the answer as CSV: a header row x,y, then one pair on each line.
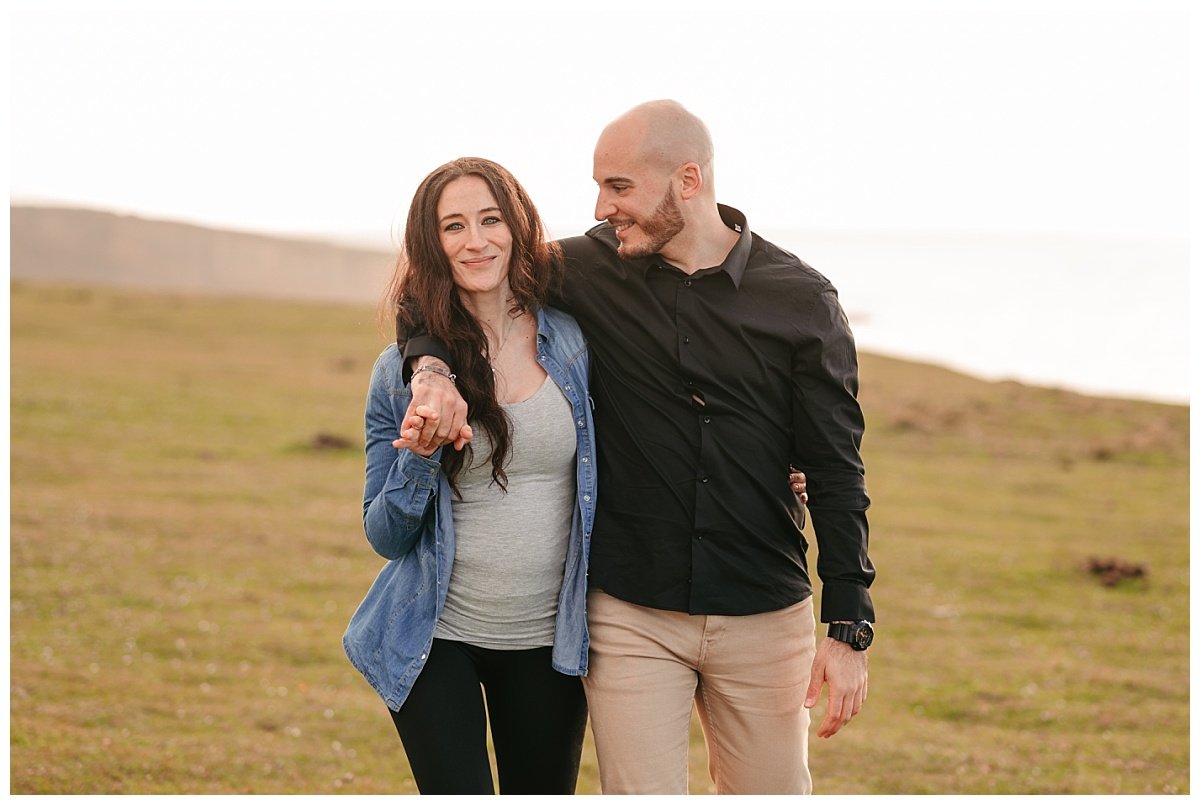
x,y
587,498
584,459
687,340
581,423
704,480
707,419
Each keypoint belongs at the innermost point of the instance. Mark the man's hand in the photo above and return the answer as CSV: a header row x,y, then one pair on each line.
x,y
437,413
410,431
846,672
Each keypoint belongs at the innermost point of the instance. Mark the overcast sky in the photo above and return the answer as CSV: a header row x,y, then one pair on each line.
x,y
323,117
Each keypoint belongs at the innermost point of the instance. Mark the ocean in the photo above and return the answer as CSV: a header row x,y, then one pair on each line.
x,y
1104,315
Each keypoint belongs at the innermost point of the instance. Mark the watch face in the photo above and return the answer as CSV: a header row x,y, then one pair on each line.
x,y
863,635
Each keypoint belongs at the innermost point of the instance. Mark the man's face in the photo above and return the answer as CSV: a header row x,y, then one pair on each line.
x,y
637,201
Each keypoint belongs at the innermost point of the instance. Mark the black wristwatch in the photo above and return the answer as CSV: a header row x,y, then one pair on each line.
x,y
859,635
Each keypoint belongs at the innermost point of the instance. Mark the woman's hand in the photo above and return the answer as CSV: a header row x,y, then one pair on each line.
x,y
799,484
410,432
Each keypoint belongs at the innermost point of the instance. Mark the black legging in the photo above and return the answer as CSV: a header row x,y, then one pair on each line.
x,y
537,716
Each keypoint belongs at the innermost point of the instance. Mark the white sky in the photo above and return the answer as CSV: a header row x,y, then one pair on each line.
x,y
323,117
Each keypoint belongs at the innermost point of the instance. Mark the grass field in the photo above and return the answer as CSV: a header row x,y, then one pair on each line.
x,y
184,559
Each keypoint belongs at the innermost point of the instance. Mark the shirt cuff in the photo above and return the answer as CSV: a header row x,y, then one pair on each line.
x,y
841,601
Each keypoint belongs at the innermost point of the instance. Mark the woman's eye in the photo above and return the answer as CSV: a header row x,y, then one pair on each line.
x,y
453,227
491,219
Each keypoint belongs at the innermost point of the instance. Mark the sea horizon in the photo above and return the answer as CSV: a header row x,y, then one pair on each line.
x,y
1098,314
1040,308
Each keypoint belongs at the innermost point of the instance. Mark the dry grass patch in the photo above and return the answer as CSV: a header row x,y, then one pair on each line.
x,y
184,560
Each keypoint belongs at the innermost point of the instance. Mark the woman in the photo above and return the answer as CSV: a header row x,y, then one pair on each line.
x,y
486,581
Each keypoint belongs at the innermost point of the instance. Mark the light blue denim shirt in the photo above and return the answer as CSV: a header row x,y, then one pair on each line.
x,y
407,517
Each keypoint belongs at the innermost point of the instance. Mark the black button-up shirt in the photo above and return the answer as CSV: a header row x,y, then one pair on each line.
x,y
706,387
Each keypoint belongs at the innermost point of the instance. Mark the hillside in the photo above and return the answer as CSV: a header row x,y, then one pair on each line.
x,y
90,247
186,548
102,248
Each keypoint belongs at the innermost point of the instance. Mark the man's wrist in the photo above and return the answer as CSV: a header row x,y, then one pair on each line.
x,y
429,364
425,361
431,368
858,634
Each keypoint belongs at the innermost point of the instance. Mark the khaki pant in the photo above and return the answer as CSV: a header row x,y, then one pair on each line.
x,y
746,673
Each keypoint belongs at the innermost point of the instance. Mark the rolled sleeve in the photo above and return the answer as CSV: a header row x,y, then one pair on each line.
x,y
393,517
399,484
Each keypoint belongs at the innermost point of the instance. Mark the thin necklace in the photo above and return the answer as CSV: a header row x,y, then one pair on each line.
x,y
512,322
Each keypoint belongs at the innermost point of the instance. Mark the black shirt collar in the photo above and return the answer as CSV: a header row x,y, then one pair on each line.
x,y
734,264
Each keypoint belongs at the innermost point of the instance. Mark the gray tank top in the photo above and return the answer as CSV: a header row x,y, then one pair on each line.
x,y
510,549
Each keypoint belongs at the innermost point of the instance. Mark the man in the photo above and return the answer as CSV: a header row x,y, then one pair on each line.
x,y
716,359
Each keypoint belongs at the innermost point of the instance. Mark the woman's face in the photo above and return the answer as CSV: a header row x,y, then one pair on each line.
x,y
476,240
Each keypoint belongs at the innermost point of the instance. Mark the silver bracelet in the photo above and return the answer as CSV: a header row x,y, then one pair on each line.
x,y
437,370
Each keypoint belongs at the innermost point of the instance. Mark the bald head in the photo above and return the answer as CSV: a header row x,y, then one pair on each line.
x,y
663,135
653,167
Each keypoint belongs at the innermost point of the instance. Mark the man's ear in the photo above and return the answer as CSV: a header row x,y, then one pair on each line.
x,y
691,180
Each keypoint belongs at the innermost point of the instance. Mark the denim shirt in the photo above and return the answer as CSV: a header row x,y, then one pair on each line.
x,y
407,518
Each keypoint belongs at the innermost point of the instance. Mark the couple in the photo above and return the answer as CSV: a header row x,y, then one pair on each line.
x,y
713,360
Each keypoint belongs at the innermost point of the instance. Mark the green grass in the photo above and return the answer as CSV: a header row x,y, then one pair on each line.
x,y
183,563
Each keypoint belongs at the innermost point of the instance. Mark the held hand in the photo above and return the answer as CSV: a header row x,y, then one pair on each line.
x,y
444,418
799,484
410,431
846,672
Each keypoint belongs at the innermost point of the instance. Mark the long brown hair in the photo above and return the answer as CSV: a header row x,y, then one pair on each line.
x,y
422,292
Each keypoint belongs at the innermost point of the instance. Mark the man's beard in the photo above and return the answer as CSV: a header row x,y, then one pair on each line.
x,y
657,231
